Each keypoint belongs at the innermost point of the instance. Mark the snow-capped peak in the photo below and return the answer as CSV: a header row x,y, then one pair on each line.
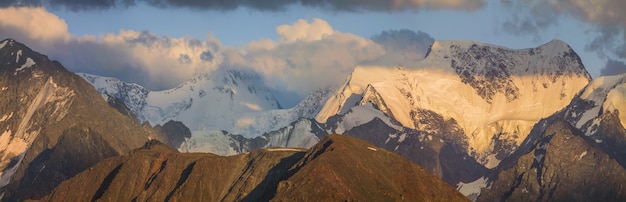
x,y
488,90
608,94
131,94
230,100
17,56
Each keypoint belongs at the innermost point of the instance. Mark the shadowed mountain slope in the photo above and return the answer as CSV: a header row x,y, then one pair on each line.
x,y
337,168
53,124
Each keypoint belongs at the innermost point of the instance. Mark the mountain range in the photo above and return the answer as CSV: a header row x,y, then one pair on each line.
x,y
337,168
493,122
52,126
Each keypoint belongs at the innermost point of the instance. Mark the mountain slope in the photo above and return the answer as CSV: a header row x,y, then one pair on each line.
x,y
51,127
364,172
441,150
599,112
217,107
592,128
337,168
212,101
561,166
494,94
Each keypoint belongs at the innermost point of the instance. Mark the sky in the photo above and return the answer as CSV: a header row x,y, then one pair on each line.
x,y
297,45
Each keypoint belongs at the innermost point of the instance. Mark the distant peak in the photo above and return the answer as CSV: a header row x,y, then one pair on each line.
x,y
462,43
10,45
556,43
8,40
446,44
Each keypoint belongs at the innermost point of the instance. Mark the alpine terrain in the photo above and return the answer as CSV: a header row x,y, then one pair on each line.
x,y
462,109
338,168
577,154
51,127
225,110
497,124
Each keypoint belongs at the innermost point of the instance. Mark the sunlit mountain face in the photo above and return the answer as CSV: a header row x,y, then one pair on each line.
x,y
312,101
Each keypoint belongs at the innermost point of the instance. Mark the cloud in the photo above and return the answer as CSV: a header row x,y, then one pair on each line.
x,y
72,5
412,45
304,31
270,5
33,23
307,56
157,62
607,18
613,67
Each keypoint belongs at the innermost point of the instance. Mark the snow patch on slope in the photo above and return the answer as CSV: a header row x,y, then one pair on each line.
x,y
18,55
616,101
298,135
216,142
13,146
472,189
29,63
360,115
606,93
3,44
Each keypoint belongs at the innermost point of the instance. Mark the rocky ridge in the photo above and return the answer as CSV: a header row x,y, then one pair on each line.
x,y
337,168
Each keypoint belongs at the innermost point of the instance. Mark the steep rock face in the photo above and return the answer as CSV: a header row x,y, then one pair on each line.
x,y
599,112
51,127
174,133
586,119
338,168
561,166
440,148
493,94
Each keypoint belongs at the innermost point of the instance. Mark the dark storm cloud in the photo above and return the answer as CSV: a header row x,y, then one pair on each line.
x,y
78,5
73,5
404,39
607,20
267,5
613,67
6,3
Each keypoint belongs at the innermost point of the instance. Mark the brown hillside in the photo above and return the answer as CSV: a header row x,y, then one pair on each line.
x,y
337,168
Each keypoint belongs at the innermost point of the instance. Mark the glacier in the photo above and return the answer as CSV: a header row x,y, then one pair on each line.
x,y
492,92
214,107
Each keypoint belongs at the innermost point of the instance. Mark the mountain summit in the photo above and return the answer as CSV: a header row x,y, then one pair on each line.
x,y
51,126
210,101
494,94
223,109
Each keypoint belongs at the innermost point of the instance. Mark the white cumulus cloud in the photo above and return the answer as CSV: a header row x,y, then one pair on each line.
x,y
135,56
306,55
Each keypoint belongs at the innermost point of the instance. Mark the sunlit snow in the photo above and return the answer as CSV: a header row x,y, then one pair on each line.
x,y
3,44
432,84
